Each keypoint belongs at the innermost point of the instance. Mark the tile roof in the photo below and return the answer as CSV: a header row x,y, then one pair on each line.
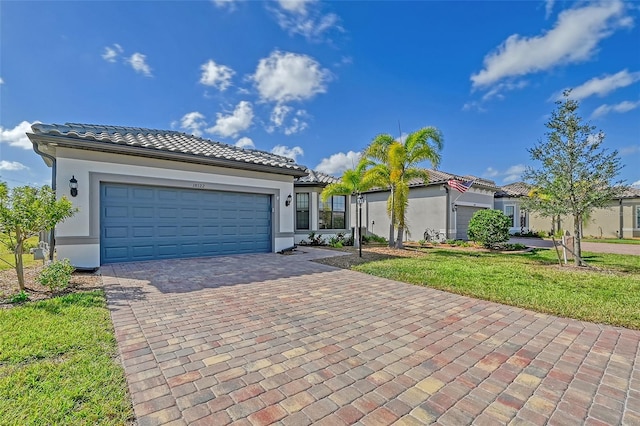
x,y
516,189
315,177
521,189
439,177
164,143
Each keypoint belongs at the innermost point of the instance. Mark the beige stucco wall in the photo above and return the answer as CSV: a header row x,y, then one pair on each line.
x,y
427,209
78,237
604,222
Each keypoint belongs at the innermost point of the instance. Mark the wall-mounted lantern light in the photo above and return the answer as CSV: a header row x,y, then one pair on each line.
x,y
73,185
288,200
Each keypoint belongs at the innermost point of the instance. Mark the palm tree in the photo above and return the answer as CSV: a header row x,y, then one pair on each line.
x,y
395,164
353,182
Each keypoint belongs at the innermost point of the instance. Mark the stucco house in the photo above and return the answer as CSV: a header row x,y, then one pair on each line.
x,y
313,215
620,219
433,204
146,194
508,199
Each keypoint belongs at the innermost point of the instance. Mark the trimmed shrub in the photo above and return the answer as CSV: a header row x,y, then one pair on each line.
x,y
56,275
489,227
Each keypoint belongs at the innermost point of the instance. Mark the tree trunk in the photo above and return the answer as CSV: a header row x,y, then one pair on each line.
x,y
19,266
393,219
577,254
399,238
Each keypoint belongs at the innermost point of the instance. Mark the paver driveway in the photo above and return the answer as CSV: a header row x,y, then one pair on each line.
x,y
267,338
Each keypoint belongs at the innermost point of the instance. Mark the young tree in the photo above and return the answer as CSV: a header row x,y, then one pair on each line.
x,y
395,164
576,173
26,211
353,182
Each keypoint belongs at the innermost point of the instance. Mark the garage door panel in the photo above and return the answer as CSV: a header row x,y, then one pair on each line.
x,y
167,212
463,216
142,212
116,211
116,232
142,251
143,223
142,231
143,193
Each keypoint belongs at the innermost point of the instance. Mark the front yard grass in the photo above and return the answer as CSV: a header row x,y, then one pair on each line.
x,y
613,240
57,364
530,280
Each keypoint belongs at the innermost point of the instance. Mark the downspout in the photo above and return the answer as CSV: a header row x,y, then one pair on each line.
x,y
52,241
621,220
446,215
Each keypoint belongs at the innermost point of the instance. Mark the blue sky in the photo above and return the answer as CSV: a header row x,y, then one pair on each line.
x,y
318,80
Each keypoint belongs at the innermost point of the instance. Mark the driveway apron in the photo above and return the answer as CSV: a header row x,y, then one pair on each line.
x,y
269,338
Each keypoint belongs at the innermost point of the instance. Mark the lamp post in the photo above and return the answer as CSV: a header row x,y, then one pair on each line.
x,y
360,201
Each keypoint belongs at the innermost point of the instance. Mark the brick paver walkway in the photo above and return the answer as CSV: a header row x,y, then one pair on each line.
x,y
268,338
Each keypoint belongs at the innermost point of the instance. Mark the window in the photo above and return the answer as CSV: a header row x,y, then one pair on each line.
x,y
511,212
638,217
302,211
332,213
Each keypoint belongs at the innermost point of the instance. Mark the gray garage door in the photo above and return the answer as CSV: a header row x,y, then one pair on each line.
x,y
146,222
463,216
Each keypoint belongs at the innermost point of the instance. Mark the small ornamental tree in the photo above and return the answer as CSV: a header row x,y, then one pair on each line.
x,y
489,227
26,211
576,174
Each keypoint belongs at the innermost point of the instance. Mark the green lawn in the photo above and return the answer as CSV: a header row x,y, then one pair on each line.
x,y
613,240
7,256
530,280
57,364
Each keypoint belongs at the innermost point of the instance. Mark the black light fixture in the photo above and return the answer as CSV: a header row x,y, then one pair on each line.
x,y
73,185
288,200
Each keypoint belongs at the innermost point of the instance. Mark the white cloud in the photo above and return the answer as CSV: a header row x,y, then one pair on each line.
x,y
473,105
295,6
548,8
303,17
636,184
111,53
12,166
622,107
278,115
138,62
297,124
230,125
215,75
491,172
193,122
602,86
230,4
285,151
1,80
17,136
245,142
574,38
512,174
507,86
629,150
338,163
285,76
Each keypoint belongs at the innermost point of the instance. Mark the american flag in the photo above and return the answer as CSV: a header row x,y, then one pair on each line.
x,y
460,185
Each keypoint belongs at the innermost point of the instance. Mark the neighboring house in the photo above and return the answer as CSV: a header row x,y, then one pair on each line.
x,y
621,219
312,215
509,201
432,205
146,194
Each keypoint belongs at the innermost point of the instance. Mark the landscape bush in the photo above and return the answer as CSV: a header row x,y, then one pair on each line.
x,y
56,275
489,227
